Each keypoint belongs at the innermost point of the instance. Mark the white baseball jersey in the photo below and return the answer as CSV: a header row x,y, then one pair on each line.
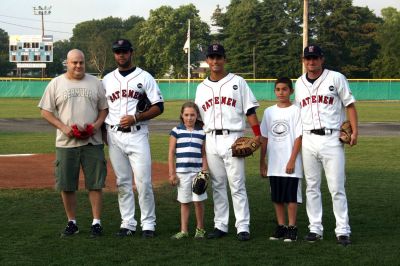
x,y
322,103
223,103
281,126
123,93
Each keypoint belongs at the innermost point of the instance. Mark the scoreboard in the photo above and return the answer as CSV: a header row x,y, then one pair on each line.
x,y
28,49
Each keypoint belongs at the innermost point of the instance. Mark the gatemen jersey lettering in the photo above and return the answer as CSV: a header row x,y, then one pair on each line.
x,y
123,93
223,104
323,102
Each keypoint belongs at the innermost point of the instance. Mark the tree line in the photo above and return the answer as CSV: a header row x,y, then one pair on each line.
x,y
261,37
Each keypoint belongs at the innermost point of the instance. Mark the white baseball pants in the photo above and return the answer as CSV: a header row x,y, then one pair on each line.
x,y
227,169
328,153
131,151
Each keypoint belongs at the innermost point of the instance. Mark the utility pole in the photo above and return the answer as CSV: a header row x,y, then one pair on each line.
x,y
39,10
254,62
305,28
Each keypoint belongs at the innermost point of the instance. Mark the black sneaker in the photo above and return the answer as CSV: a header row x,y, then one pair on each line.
x,y
96,230
280,232
123,232
216,234
291,234
243,236
343,240
148,234
70,230
313,237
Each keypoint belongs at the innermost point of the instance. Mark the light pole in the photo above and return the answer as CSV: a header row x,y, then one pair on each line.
x,y
39,10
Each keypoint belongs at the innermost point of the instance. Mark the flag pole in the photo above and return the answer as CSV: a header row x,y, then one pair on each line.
x,y
305,28
188,64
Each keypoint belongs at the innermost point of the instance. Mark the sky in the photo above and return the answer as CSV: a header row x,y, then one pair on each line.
x,y
19,19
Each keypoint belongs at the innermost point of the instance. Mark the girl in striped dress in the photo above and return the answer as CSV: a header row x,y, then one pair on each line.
x,y
186,157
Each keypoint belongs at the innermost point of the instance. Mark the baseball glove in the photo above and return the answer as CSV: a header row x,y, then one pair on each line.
x,y
200,182
144,104
83,134
244,146
345,132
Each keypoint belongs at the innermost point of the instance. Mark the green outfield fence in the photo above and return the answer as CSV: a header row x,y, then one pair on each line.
x,y
181,89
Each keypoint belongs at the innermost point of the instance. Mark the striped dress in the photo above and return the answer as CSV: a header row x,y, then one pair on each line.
x,y
188,148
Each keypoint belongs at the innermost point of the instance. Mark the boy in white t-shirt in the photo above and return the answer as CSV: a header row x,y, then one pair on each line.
x,y
281,133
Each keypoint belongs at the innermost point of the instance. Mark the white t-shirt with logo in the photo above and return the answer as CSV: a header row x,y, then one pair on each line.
x,y
282,126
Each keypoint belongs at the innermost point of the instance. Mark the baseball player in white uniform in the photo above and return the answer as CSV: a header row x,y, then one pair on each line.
x,y
128,137
224,100
324,97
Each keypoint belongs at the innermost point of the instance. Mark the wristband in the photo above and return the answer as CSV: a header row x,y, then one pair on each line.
x,y
256,130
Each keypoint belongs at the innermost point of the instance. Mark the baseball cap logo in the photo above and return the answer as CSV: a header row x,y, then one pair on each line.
x,y
311,49
215,47
120,42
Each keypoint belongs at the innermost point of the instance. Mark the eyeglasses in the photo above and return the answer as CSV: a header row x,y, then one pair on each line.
x,y
121,51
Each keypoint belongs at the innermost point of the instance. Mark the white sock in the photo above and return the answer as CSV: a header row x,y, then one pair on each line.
x,y
96,221
74,221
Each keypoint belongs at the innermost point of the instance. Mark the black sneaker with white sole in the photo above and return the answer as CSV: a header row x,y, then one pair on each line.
x,y
313,237
280,232
70,230
96,230
291,234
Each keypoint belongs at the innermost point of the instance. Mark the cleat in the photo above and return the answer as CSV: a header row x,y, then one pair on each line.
x,y
124,232
343,240
216,234
243,236
148,234
313,237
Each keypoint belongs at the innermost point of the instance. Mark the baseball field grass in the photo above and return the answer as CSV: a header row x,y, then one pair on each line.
x,y
31,220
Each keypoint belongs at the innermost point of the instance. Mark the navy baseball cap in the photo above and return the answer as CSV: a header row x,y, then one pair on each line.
x,y
313,50
216,49
122,44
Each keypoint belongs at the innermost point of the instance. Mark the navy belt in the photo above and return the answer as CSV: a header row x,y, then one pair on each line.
x,y
321,131
125,129
221,131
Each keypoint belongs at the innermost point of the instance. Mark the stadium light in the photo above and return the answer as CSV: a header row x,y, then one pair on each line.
x,y
39,10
